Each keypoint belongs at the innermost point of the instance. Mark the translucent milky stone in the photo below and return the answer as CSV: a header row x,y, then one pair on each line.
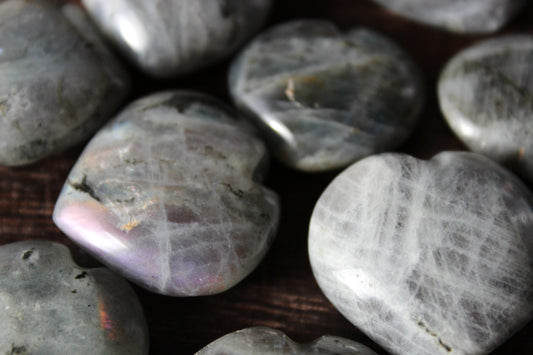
x,y
323,98
486,95
49,305
267,341
173,37
168,194
462,16
427,257
58,83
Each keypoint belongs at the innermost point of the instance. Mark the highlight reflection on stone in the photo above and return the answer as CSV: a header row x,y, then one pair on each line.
x,y
174,37
486,95
268,341
427,257
58,83
168,194
462,16
323,98
49,305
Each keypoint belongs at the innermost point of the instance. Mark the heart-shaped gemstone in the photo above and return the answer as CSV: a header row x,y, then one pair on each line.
x,y
323,98
168,195
472,16
49,305
486,95
427,257
173,37
268,341
58,83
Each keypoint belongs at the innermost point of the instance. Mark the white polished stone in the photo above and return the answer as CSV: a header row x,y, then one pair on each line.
x,y
462,16
50,305
427,257
486,95
268,341
174,37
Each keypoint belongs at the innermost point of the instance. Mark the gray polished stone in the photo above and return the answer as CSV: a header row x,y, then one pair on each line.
x,y
461,16
324,98
58,83
174,37
427,257
268,341
49,305
486,95
169,195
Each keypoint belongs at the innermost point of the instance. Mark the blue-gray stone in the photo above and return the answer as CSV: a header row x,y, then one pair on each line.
x,y
324,98
58,83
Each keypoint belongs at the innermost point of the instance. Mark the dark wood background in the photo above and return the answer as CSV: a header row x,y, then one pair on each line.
x,y
281,293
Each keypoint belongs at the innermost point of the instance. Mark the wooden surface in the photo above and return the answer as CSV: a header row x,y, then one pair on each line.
x,y
281,292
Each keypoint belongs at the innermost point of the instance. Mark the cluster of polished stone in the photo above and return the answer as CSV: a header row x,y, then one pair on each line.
x,y
426,257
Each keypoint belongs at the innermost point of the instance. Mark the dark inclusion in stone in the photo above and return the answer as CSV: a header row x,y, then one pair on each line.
x,y
486,95
49,305
58,83
324,98
169,195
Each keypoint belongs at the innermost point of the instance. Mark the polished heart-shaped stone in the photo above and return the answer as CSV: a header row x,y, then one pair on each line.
x,y
324,98
169,195
58,83
486,95
268,341
472,16
427,257
49,305
174,37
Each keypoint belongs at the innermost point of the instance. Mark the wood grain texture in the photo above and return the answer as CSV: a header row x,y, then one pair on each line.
x,y
281,293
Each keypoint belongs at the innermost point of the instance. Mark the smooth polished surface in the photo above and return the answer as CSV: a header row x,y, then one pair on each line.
x,y
461,16
323,98
50,305
281,292
268,341
175,37
486,95
427,257
168,194
58,83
